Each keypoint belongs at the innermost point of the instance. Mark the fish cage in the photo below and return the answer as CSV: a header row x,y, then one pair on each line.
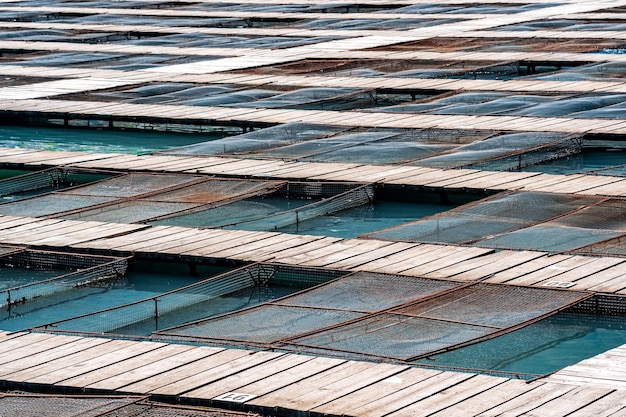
x,y
292,203
502,219
391,318
48,180
192,200
507,152
34,278
20,404
435,148
250,284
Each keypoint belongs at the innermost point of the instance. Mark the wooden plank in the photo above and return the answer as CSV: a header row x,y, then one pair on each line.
x,y
182,239
324,387
66,361
363,246
553,271
526,268
111,370
515,258
490,398
237,381
381,396
612,404
47,355
81,366
230,246
183,372
451,396
268,252
11,348
528,401
571,401
127,241
452,259
157,367
402,258
468,265
355,261
430,258
593,273
323,242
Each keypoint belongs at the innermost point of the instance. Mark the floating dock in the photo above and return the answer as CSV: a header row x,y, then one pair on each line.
x,y
401,72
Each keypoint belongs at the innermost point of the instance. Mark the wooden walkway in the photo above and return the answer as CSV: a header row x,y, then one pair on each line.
x,y
457,34
431,178
604,275
287,384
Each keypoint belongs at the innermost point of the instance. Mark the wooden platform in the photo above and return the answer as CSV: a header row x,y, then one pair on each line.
x,y
73,63
272,382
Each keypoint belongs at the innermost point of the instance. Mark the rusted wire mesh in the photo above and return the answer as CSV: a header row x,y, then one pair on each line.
x,y
379,316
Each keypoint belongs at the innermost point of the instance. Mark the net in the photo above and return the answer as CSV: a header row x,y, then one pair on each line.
x,y
450,320
499,214
378,316
60,272
192,302
507,152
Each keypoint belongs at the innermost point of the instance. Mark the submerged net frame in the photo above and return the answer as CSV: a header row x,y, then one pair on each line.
x,y
152,309
498,215
83,270
50,179
379,325
354,196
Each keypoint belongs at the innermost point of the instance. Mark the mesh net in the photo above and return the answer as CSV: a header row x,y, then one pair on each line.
x,y
57,272
304,201
261,139
133,185
33,405
549,238
392,317
444,322
51,204
44,181
507,152
192,302
64,406
497,216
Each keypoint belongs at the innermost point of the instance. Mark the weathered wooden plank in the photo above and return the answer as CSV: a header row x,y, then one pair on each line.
x,y
490,398
530,400
111,370
353,262
404,258
181,373
312,392
526,268
81,366
348,252
571,401
236,382
442,262
49,354
553,271
382,396
453,395
162,365
67,361
612,404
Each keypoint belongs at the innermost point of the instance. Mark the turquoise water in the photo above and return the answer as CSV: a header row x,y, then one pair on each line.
x,y
93,140
537,349
546,346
